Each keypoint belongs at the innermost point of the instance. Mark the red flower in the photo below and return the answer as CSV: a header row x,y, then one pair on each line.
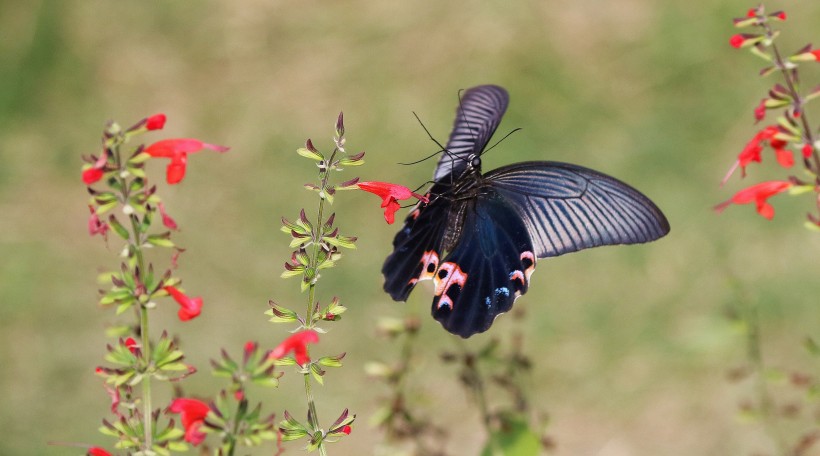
x,y
92,175
131,344
346,429
760,111
96,171
166,219
177,150
189,307
751,152
780,15
758,194
192,413
97,226
155,122
737,40
390,194
807,150
97,451
298,344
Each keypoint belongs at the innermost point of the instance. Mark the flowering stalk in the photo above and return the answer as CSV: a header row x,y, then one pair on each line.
x,y
317,246
117,179
792,127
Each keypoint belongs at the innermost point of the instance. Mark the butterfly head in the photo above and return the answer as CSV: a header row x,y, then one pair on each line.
x,y
474,162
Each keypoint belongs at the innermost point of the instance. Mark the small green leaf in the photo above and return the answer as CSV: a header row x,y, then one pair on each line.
x,y
118,228
280,314
141,157
347,242
317,373
331,361
307,153
161,240
800,189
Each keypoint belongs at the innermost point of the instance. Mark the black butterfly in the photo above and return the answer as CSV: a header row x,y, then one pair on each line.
x,y
480,235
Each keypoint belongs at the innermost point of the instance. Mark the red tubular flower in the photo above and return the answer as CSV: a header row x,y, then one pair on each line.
x,y
131,344
390,194
298,344
166,219
758,194
177,150
155,122
192,414
760,111
97,451
92,175
96,172
346,429
737,40
807,150
95,225
189,307
751,152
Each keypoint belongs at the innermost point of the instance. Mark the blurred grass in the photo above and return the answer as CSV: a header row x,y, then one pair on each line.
x,y
631,344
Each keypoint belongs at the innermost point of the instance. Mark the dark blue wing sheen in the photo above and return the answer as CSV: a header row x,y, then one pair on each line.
x,y
416,248
477,117
567,208
487,270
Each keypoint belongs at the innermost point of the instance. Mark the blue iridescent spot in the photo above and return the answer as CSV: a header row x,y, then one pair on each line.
x,y
487,301
502,291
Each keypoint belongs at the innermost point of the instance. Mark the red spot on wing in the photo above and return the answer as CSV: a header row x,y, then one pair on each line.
x,y
449,274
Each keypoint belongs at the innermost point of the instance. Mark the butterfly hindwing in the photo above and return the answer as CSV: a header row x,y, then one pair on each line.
x,y
487,270
477,117
416,248
567,207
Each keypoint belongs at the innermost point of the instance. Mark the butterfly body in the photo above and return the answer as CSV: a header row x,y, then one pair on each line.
x,y
480,235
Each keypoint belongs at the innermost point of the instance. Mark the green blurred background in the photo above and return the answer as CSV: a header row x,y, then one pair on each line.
x,y
631,345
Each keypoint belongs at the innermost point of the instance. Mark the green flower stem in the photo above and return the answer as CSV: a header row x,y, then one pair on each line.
x,y
314,421
146,381
318,233
139,273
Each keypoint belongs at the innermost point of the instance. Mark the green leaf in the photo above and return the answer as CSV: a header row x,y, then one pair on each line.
x,y
141,157
800,189
161,240
307,153
317,373
331,361
516,440
118,228
280,314
341,241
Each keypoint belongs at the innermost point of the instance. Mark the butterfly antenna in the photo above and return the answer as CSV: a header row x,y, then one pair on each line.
x,y
499,141
429,135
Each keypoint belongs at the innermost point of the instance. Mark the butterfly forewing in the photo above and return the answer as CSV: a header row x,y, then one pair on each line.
x,y
567,208
477,117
